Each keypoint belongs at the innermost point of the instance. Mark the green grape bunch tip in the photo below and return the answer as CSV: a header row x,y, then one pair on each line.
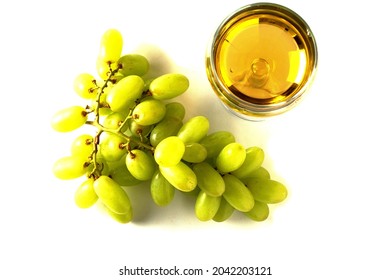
x,y
142,135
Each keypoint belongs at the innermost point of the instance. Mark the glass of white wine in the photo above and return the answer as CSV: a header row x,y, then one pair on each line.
x,y
261,60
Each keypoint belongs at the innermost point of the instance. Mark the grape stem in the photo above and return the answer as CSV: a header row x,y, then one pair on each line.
x,y
96,171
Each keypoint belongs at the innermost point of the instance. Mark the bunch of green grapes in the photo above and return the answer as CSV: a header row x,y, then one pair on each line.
x,y
141,136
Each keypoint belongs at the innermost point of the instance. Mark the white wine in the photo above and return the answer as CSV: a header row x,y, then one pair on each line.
x,y
261,60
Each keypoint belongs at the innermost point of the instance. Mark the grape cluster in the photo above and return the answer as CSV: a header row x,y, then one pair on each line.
x,y
141,136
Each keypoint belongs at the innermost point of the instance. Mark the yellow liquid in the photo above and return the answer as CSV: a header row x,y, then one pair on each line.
x,y
262,59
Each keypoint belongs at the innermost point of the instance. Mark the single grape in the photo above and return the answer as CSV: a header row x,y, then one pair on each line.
x,y
194,153
161,190
123,177
224,212
82,146
169,86
70,167
112,147
209,180
216,141
140,164
237,194
169,126
112,195
180,176
169,151
176,110
231,157
206,206
69,119
114,120
133,64
259,173
253,160
85,86
149,111
267,191
85,195
194,129
259,212
111,45
124,94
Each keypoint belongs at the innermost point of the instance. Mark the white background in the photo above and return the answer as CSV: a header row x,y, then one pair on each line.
x,y
332,151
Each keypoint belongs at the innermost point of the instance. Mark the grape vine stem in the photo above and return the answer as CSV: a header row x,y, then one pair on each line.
x,y
96,171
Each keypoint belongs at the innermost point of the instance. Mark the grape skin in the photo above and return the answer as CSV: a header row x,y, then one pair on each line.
x,y
231,157
180,176
140,164
69,119
112,195
69,167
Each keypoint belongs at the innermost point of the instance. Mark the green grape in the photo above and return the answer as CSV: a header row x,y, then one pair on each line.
x,y
224,212
267,191
180,176
69,119
194,129
83,146
70,167
112,147
106,71
85,86
231,157
161,190
149,111
124,94
259,212
133,64
259,173
139,130
112,195
237,194
111,45
206,206
195,153
169,86
140,164
123,177
209,180
85,195
215,142
169,151
253,160
176,110
169,126
114,120
121,218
